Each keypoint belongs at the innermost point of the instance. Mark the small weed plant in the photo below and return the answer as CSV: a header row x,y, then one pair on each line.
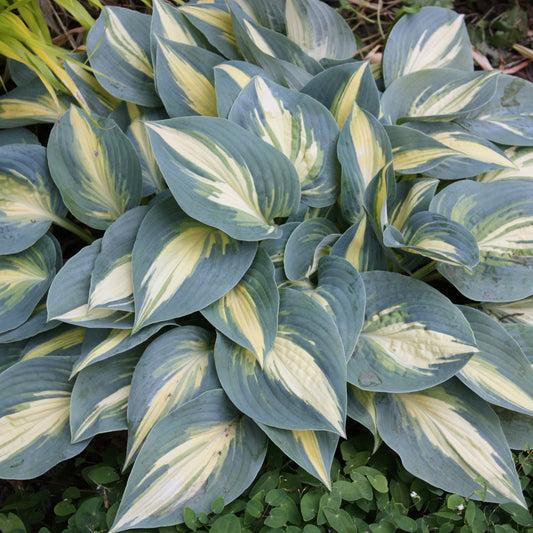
x,y
270,238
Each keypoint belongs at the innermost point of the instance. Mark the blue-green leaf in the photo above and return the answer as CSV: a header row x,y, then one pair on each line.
x,y
176,367
185,78
63,340
500,217
98,100
101,344
506,119
31,104
18,136
95,167
214,21
500,372
74,280
365,153
522,169
199,451
231,78
302,383
99,405
432,38
248,313
312,450
449,437
360,246
436,237
472,154
111,278
131,118
119,49
181,265
413,336
24,279
30,201
437,94
300,248
34,415
299,127
319,30
283,59
338,87
224,176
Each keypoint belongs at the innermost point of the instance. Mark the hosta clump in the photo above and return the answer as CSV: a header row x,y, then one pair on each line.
x,y
272,245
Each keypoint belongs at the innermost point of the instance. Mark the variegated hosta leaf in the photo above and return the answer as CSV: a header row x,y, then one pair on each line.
x,y
523,335
276,249
415,152
131,118
31,104
517,427
500,372
432,38
312,450
412,196
340,86
341,292
500,216
301,246
360,246
435,236
506,119
37,323
18,136
95,167
111,278
364,150
521,158
214,22
472,154
231,78
450,438
304,212
99,405
519,312
29,201
101,344
98,100
74,280
170,23
437,94
10,354
302,384
300,128
199,451
319,30
34,413
268,14
176,367
283,59
413,336
362,408
248,313
224,176
24,280
181,265
20,73
185,79
64,340
118,46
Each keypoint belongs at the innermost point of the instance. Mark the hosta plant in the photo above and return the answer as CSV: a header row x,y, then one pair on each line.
x,y
272,237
